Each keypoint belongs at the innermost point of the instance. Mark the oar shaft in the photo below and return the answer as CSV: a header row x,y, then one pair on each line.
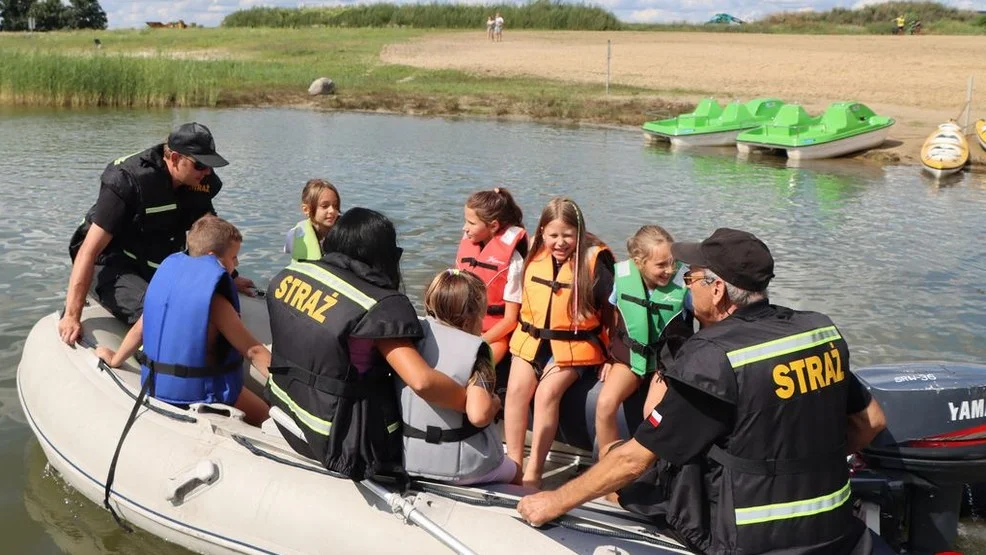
x,y
412,514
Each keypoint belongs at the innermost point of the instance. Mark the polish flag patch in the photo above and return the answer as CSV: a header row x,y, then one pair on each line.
x,y
655,418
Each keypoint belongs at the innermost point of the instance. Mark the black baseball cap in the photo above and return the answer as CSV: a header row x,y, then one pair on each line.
x,y
195,140
738,257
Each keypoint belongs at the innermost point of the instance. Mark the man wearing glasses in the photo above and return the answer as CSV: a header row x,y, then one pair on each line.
x,y
760,411
147,202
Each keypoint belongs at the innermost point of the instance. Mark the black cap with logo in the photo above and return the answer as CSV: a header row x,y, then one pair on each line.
x,y
738,257
195,140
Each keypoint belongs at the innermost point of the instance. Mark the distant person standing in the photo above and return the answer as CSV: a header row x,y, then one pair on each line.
x,y
498,27
490,22
900,21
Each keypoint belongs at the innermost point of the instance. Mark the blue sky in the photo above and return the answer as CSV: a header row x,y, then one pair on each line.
x,y
211,12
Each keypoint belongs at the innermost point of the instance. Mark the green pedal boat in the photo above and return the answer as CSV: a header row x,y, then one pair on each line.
x,y
844,127
711,124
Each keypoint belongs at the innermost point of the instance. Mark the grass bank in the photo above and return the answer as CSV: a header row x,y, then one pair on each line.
x,y
245,66
540,14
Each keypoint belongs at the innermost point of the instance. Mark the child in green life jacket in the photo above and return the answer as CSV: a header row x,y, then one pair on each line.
x,y
652,321
321,205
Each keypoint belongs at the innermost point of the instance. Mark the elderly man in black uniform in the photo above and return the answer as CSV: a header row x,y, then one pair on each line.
x,y
147,202
760,411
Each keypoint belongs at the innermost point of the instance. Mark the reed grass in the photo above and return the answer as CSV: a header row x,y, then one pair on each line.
x,y
224,66
540,14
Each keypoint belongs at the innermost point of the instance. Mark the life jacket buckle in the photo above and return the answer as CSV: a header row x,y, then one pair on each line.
x,y
433,434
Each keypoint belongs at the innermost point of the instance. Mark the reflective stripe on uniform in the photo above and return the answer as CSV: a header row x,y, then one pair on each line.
x,y
134,256
782,346
162,208
313,422
793,509
317,273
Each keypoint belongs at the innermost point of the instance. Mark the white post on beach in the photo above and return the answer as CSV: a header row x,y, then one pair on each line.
x,y
968,104
609,55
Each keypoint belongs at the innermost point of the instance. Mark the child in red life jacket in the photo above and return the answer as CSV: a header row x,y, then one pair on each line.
x,y
568,276
493,247
212,242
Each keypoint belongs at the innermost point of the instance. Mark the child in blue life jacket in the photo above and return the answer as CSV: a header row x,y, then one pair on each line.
x,y
444,444
193,339
651,323
561,332
321,205
493,247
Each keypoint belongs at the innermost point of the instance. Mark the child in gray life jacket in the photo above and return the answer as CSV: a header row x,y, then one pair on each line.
x,y
443,444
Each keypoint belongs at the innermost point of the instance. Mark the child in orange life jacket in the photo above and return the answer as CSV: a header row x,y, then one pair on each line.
x,y
650,321
493,247
455,303
220,240
567,278
321,205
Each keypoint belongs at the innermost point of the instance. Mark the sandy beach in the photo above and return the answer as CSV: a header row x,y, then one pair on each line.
x,y
918,80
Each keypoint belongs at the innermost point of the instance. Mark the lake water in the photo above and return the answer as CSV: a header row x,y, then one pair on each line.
x,y
894,258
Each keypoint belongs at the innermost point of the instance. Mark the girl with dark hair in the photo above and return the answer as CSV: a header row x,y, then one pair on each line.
x,y
567,278
341,328
493,246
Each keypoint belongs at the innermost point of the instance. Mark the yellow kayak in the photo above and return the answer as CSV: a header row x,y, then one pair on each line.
x,y
981,132
945,151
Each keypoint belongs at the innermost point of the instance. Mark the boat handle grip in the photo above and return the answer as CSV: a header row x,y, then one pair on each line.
x,y
204,473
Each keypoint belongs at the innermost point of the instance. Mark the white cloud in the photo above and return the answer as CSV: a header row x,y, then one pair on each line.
x,y
134,14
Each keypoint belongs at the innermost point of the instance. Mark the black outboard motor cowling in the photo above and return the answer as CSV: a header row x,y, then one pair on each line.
x,y
934,444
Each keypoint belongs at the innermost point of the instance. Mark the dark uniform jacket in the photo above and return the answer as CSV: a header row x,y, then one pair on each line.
x,y
754,428
147,216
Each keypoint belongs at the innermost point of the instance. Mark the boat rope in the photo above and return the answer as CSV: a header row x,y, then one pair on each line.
x,y
567,521
267,455
140,400
483,499
147,402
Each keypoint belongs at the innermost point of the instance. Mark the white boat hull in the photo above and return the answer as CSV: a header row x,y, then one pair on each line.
x,y
254,504
724,138
941,172
832,149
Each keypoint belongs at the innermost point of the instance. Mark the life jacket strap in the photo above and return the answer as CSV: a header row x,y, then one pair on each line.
x,y
182,371
641,349
560,335
553,284
472,262
325,384
435,435
776,467
650,305
496,309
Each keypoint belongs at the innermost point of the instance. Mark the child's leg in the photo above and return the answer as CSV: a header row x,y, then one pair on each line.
x,y
520,389
554,383
620,383
499,349
655,393
256,409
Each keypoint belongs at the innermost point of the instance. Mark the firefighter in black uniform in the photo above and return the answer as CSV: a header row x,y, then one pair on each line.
x,y
760,411
341,328
147,201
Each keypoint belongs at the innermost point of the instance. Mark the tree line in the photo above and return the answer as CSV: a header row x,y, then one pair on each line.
x,y
50,15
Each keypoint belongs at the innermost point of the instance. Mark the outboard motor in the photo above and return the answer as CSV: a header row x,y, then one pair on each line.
x,y
934,444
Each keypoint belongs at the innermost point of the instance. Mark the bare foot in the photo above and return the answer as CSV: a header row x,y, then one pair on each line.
x,y
532,482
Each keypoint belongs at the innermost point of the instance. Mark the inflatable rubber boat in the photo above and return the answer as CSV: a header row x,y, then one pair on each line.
x,y
202,478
